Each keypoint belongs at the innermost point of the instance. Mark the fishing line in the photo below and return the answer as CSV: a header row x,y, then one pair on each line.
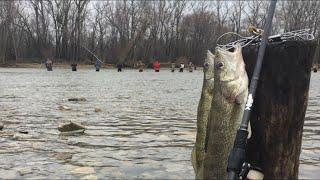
x,y
91,53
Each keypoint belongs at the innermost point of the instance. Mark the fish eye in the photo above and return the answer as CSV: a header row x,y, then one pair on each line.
x,y
219,65
206,65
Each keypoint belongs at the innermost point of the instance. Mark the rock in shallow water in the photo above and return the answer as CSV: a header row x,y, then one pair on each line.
x,y
71,127
77,99
97,110
1,126
83,170
22,136
4,134
23,132
64,108
64,156
24,171
90,177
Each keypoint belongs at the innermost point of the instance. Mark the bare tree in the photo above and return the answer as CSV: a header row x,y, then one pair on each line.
x,y
6,20
236,18
59,11
130,30
256,12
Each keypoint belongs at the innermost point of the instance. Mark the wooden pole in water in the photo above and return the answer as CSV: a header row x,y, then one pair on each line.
x,y
279,108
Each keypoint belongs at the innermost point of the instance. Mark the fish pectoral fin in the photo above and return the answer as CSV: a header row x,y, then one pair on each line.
x,y
231,98
235,96
240,99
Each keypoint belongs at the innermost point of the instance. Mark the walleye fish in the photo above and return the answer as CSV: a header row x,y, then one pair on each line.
x,y
204,108
229,97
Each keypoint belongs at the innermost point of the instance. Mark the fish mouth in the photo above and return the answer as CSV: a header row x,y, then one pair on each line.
x,y
235,78
230,80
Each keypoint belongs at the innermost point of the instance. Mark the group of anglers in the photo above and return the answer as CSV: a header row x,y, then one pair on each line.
x,y
156,66
140,65
48,64
191,67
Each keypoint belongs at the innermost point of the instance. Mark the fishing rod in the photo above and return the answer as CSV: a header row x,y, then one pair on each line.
x,y
236,157
91,53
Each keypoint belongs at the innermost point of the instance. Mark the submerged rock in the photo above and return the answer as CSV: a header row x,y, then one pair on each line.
x,y
77,99
23,132
90,177
20,136
64,156
3,134
64,108
1,126
97,110
71,127
83,170
24,171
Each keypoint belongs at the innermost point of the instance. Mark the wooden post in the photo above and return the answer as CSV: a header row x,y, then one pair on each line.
x,y
280,105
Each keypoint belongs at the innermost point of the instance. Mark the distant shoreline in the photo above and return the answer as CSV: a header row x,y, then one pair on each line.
x,y
79,66
55,65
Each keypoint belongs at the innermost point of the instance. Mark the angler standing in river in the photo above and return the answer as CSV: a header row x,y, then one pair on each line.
x,y
190,66
181,67
140,66
204,108
229,96
48,64
74,66
119,66
97,65
173,66
156,66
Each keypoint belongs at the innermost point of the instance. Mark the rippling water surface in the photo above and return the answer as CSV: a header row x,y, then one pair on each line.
x,y
146,128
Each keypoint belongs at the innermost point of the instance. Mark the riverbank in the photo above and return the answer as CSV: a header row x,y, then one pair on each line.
x,y
55,65
67,65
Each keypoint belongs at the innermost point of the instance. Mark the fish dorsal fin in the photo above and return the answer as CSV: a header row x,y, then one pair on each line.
x,y
210,55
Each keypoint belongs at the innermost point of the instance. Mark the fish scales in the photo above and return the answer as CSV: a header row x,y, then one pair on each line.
x,y
204,108
229,95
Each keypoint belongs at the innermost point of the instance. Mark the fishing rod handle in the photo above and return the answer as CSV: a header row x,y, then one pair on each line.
x,y
232,176
237,155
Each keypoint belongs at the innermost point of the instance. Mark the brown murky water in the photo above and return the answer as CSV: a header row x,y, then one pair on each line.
x,y
146,128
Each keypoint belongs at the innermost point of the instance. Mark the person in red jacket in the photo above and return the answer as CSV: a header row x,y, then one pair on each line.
x,y
156,66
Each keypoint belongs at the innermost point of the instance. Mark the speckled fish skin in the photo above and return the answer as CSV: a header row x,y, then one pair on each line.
x,y
204,108
229,96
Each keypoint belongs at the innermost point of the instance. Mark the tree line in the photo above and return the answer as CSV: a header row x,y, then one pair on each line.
x,y
126,31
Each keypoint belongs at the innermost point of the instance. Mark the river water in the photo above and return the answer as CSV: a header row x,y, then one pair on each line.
x,y
146,128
